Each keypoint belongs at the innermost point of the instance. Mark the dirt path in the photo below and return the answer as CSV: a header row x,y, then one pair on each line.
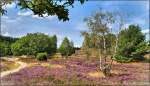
x,y
21,66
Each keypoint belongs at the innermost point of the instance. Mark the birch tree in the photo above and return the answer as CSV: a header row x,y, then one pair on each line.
x,y
119,20
98,25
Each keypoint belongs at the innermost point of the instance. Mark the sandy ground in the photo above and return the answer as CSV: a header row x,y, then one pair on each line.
x,y
21,66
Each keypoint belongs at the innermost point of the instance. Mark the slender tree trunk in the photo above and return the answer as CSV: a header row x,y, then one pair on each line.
x,y
100,60
104,51
117,37
116,46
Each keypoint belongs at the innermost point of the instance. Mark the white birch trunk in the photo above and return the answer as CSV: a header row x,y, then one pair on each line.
x,y
100,60
104,51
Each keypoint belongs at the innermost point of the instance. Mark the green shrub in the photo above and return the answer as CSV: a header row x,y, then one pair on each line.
x,y
66,48
131,45
122,59
5,45
41,56
31,44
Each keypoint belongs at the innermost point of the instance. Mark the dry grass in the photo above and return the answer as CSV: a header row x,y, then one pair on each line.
x,y
57,66
46,65
8,65
147,56
27,60
96,74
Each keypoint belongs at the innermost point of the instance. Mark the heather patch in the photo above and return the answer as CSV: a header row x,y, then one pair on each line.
x,y
78,72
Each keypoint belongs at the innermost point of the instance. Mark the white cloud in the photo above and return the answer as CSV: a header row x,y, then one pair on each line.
x,y
10,20
6,34
27,13
30,13
12,5
126,25
4,31
8,25
146,31
5,17
45,16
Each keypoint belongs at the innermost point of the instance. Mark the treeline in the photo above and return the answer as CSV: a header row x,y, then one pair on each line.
x,y
5,45
34,43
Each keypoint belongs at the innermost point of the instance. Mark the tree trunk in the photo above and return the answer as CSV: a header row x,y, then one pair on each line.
x,y
100,60
104,51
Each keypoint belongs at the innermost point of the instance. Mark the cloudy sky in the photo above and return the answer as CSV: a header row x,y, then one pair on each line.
x,y
18,23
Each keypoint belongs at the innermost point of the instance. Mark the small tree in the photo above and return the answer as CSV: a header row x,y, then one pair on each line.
x,y
66,48
99,33
131,44
86,43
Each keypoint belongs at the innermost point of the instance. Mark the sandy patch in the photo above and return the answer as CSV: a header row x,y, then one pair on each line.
x,y
47,65
115,72
56,66
74,65
33,64
96,74
115,62
99,74
147,56
21,66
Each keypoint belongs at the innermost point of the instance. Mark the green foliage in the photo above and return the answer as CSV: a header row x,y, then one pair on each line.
x,y
67,47
122,59
5,49
31,44
131,44
93,41
41,56
5,45
87,40
99,35
42,7
54,44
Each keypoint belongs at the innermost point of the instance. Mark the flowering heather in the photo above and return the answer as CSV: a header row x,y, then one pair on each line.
x,y
75,72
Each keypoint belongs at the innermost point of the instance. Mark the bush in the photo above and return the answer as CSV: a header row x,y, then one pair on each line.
x,y
5,45
122,59
31,44
131,44
41,56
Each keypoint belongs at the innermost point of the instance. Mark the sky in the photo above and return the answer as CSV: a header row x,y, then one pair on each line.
x,y
18,23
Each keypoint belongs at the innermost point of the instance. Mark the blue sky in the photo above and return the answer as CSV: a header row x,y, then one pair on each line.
x,y
18,23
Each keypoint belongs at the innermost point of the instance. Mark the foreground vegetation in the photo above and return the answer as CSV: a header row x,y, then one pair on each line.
x,y
78,71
